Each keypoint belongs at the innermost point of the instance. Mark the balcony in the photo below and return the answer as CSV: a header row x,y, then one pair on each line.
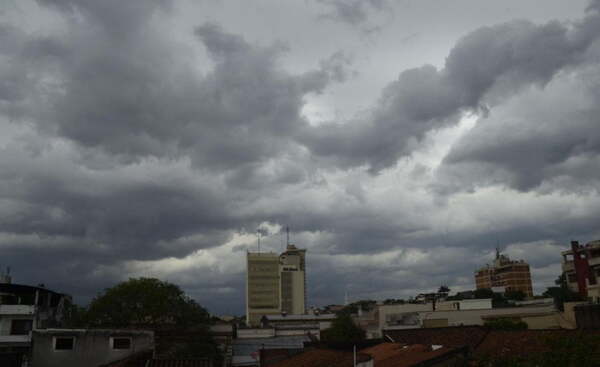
x,y
17,309
568,266
594,261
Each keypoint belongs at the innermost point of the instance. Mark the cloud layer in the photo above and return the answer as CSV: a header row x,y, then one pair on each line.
x,y
132,147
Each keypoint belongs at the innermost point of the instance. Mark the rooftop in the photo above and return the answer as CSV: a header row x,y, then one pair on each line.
x,y
326,316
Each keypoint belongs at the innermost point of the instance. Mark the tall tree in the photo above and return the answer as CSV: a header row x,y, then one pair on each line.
x,y
146,302
343,329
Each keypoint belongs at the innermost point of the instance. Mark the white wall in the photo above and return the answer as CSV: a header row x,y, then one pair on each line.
x,y
476,304
255,333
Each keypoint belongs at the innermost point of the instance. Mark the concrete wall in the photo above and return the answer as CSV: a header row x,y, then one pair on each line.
x,y
91,347
255,333
476,317
550,321
568,315
386,310
6,322
476,304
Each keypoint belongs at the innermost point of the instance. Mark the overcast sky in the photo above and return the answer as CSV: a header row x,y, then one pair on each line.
x,y
401,141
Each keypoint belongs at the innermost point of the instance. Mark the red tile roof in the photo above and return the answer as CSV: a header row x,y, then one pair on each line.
x,y
383,355
523,343
485,342
453,337
398,355
323,357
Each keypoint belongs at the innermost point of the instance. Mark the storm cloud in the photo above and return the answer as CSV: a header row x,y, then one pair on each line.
x,y
153,138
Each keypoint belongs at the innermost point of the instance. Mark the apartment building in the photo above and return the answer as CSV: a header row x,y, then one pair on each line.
x,y
512,275
581,267
263,294
293,280
24,309
275,284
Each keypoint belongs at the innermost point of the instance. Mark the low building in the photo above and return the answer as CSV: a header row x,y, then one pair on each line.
x,y
24,309
465,304
319,321
247,351
506,273
80,347
451,314
581,268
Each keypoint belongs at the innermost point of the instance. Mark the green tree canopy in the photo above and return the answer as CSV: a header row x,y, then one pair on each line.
x,y
343,329
146,302
515,295
562,293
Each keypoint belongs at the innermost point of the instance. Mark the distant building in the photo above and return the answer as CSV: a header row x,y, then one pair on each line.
x,y
275,284
293,280
581,268
262,286
512,275
24,309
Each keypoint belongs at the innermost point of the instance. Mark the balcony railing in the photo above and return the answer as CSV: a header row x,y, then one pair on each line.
x,y
17,309
15,338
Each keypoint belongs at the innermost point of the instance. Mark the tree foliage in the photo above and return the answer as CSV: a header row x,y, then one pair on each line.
x,y
515,295
352,308
343,329
444,289
146,302
562,293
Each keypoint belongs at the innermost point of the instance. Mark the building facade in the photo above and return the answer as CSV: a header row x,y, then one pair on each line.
x,y
93,347
275,284
508,274
581,268
263,296
293,281
23,310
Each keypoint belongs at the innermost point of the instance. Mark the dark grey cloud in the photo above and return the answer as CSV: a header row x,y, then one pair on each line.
x,y
484,67
123,88
353,12
543,140
128,152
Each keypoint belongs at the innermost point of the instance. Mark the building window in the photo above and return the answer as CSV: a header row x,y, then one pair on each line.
x,y
120,343
21,327
572,278
64,343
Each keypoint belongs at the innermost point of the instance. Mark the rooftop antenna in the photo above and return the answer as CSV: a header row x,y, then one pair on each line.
x,y
258,236
287,230
497,250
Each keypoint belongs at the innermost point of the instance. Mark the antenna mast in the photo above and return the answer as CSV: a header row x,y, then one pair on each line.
x,y
258,235
287,230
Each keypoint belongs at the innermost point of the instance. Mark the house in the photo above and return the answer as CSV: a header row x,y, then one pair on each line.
x,y
24,309
247,351
88,347
581,268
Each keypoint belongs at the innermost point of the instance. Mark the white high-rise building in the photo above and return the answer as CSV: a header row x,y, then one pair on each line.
x,y
275,284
